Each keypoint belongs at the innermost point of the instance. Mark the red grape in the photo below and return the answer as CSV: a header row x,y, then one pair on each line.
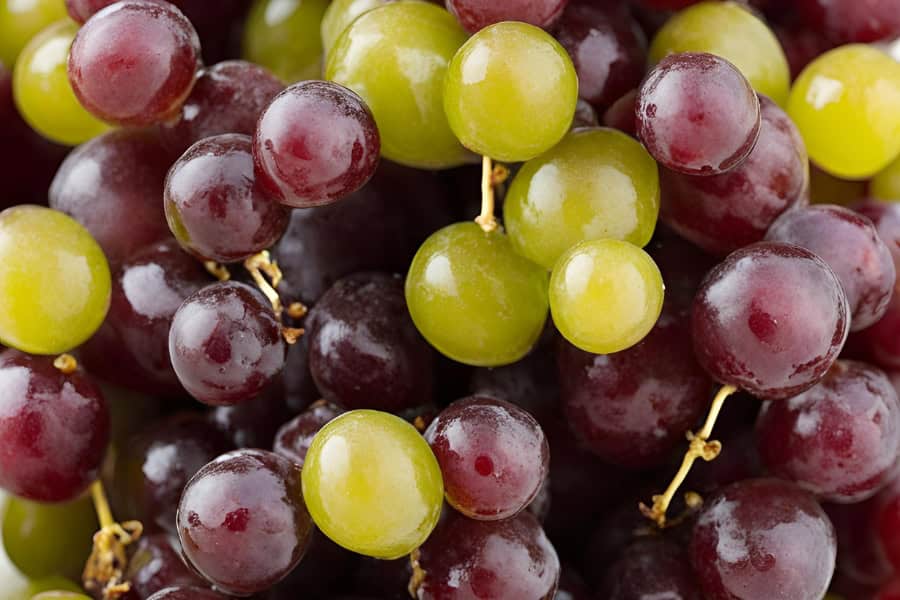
x,y
253,423
887,521
850,21
475,15
155,565
295,436
82,10
620,114
889,591
187,593
651,568
885,216
861,555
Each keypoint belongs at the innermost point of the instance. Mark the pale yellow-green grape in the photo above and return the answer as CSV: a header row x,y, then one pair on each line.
x,y
731,31
474,299
595,184
43,93
510,92
57,595
340,14
845,104
284,36
22,590
54,281
395,57
886,183
372,484
605,295
21,20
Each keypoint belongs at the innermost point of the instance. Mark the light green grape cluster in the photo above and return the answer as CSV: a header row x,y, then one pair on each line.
x,y
340,14
284,36
21,20
372,484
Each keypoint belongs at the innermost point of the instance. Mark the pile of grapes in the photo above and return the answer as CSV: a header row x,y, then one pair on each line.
x,y
497,300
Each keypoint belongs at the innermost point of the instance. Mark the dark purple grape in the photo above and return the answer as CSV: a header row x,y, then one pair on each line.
x,y
220,26
299,388
315,143
113,185
155,565
770,319
82,10
651,567
295,436
225,344
620,114
131,348
697,114
466,559
722,213
213,205
738,460
761,539
364,350
801,45
242,521
848,21
254,423
134,62
187,593
475,15
887,521
880,342
54,429
384,579
632,408
849,243
885,216
861,555
683,267
323,568
571,586
619,528
227,98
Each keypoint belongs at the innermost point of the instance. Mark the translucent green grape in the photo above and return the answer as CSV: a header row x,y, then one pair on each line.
x,y
510,92
594,184
28,590
372,484
605,295
56,595
474,299
886,183
54,281
284,36
845,105
395,57
42,90
340,14
731,31
21,20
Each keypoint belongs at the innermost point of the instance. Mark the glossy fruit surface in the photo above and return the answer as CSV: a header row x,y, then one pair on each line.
x,y
651,567
340,14
475,15
284,38
296,436
845,22
21,21
156,564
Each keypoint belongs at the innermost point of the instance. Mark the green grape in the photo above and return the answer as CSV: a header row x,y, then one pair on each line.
x,y
395,57
54,281
56,595
731,31
27,527
372,484
28,590
340,14
283,36
21,20
886,183
474,299
42,90
510,92
594,184
605,295
845,105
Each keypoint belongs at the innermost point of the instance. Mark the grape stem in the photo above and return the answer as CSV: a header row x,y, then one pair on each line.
x,y
217,270
104,570
66,363
491,175
418,574
700,447
261,266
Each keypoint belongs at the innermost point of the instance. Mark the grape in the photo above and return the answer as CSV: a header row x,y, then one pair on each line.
x,y
845,22
697,114
885,216
770,319
473,298
889,591
722,213
801,45
295,437
283,36
475,15
82,10
848,91
510,92
227,98
27,590
683,267
54,428
324,568
186,593
27,527
242,521
134,62
585,115
828,189
885,185
156,564
60,596
632,408
880,343
372,58
594,184
340,14
763,538
493,559
54,280
861,555
605,295
21,20
729,30
314,144
493,456
254,423
886,520
620,115
364,351
850,245
372,484
42,91
215,207
113,185
650,568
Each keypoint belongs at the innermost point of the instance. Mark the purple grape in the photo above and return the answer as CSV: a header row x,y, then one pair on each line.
x,y
242,521
315,143
697,114
324,567
651,567
571,586
887,521
187,593
683,267
620,114
861,555
475,15
770,319
155,565
295,436
885,216
254,423
384,579
299,388
846,21
225,344
801,45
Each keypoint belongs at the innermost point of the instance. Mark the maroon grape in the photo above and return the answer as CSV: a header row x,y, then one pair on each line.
x,y
682,264
383,579
242,521
651,568
315,143
880,342
295,436
885,216
187,593
54,429
887,521
475,15
620,114
761,539
697,114
801,45
889,591
324,568
253,423
155,565
770,319
722,213
849,243
225,344
82,10
850,21
861,555
299,388
571,586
